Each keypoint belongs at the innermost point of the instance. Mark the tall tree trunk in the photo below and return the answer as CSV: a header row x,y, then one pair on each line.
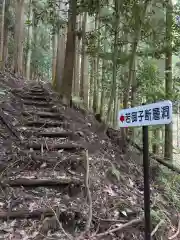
x,y
67,81
2,35
156,138
84,64
91,87
82,80
177,126
131,131
94,100
102,88
76,74
168,148
30,39
57,81
6,33
115,123
19,37
86,81
137,34
115,50
104,63
54,59
134,46
96,67
5,48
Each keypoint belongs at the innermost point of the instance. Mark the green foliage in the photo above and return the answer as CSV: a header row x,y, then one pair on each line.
x,y
150,84
115,172
41,58
171,184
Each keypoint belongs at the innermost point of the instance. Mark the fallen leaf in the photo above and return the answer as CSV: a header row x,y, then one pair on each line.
x,y
34,234
60,151
32,206
43,165
124,213
1,204
110,191
131,183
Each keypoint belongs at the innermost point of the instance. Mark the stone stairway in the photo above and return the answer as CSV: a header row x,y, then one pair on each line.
x,y
48,184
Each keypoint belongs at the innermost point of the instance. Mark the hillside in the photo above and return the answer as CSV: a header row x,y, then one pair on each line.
x,y
44,170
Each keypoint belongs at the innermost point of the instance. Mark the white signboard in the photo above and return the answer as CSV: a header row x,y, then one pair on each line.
x,y
151,114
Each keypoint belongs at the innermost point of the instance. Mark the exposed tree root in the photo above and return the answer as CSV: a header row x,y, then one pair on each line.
x,y
44,114
65,146
36,103
40,182
36,214
39,93
32,97
177,232
63,134
158,159
9,126
122,227
45,124
89,220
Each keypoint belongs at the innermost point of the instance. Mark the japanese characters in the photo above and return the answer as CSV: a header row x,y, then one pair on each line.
x,y
151,114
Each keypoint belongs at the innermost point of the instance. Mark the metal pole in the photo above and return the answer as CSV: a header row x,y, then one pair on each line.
x,y
146,165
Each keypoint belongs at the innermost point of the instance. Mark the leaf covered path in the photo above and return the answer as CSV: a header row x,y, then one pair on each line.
x,y
43,171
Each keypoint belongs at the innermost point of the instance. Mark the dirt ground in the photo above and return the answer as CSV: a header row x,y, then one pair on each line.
x,y
60,172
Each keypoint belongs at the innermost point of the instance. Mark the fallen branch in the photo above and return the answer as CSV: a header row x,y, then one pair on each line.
x,y
37,93
177,232
8,166
40,182
20,214
28,92
9,126
44,114
56,159
110,220
156,228
158,159
65,146
32,97
57,215
89,220
62,134
120,228
45,124
88,223
37,103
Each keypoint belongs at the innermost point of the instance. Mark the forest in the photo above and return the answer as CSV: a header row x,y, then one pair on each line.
x,y
96,57
102,54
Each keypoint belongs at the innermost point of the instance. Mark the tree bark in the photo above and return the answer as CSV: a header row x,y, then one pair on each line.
x,y
82,79
104,64
76,73
19,37
54,60
168,148
65,146
134,46
2,35
57,81
156,137
39,182
91,88
96,67
115,50
30,39
67,81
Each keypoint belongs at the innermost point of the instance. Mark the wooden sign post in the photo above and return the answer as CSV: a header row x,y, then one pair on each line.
x,y
159,113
